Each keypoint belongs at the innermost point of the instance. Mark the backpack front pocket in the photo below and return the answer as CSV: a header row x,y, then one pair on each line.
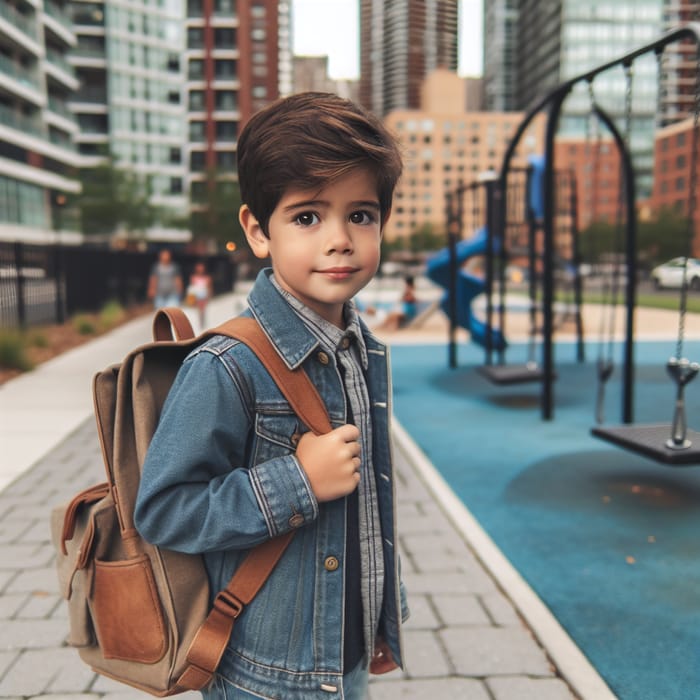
x,y
127,612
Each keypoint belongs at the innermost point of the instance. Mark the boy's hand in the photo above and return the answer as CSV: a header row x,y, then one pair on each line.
x,y
382,660
331,462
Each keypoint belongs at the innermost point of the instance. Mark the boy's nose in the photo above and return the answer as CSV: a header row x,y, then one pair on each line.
x,y
339,240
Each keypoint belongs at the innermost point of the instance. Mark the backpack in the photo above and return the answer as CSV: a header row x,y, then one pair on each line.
x,y
138,613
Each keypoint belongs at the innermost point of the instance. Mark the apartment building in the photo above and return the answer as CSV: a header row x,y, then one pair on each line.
x,y
130,104
238,59
311,74
402,41
37,156
678,65
445,145
673,152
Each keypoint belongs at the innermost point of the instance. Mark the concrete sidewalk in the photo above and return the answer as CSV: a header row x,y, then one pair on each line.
x,y
476,632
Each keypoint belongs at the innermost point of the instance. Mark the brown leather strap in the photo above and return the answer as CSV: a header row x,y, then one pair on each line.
x,y
172,319
294,384
209,643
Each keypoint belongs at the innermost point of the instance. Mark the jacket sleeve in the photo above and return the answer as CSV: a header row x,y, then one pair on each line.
x,y
196,493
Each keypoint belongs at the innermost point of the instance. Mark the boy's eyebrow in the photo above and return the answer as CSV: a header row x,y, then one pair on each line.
x,y
368,203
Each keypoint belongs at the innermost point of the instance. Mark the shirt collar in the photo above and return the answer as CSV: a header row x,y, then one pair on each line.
x,y
326,332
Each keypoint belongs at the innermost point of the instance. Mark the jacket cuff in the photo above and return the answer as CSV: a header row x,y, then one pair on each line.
x,y
284,494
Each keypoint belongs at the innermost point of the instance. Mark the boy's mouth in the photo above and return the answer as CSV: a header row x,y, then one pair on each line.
x,y
338,272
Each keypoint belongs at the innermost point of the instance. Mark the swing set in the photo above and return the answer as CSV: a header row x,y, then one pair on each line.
x,y
673,444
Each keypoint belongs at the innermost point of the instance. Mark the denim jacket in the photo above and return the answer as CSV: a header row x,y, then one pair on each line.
x,y
221,476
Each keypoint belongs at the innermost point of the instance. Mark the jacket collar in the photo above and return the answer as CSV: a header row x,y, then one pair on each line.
x,y
286,331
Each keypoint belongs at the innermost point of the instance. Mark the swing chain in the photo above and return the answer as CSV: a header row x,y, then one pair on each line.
x,y
692,204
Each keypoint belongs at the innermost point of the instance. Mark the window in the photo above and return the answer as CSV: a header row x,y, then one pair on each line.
x,y
225,100
225,131
197,131
225,70
195,38
196,101
175,185
175,156
195,70
197,161
224,38
226,160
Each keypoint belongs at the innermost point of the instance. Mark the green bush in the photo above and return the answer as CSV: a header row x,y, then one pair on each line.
x,y
39,340
111,314
84,324
13,351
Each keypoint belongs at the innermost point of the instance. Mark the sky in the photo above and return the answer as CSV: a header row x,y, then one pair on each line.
x,y
329,27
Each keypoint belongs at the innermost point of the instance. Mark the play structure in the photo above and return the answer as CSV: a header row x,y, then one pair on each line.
x,y
516,252
468,287
674,443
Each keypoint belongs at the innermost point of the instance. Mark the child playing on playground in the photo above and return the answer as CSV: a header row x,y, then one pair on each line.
x,y
230,466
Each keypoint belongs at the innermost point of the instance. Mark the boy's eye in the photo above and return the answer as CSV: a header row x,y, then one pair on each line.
x,y
362,217
306,218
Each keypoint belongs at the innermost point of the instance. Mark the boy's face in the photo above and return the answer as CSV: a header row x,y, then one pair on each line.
x,y
324,244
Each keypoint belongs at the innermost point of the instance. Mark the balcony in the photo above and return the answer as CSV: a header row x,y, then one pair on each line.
x,y
26,80
23,123
58,22
62,116
25,24
91,94
59,68
89,15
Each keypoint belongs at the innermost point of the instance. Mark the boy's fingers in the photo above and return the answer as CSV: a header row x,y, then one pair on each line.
x,y
348,432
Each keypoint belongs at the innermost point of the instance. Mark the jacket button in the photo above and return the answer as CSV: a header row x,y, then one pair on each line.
x,y
331,563
345,343
322,357
297,520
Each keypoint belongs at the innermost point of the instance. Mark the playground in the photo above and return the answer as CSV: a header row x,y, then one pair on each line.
x,y
567,430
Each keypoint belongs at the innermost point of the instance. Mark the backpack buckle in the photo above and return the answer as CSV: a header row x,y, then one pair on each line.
x,y
227,604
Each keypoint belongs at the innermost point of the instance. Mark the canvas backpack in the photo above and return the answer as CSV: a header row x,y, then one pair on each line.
x,y
138,613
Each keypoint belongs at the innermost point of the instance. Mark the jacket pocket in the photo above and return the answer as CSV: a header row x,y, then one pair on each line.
x,y
276,434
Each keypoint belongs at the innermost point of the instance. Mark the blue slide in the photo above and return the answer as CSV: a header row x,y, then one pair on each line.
x,y
468,287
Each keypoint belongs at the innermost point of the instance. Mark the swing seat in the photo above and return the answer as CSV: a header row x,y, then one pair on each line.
x,y
513,374
650,441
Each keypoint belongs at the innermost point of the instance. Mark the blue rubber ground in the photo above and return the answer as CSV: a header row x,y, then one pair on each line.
x,y
609,540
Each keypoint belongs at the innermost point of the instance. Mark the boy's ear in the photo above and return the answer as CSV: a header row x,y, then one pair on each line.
x,y
257,240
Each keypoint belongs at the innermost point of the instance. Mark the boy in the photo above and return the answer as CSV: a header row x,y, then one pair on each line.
x,y
230,466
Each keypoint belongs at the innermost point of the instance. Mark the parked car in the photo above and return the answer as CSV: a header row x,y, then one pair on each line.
x,y
669,275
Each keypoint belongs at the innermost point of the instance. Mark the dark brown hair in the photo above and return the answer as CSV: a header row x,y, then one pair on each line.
x,y
308,140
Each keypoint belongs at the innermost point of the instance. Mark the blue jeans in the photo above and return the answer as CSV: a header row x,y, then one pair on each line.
x,y
163,300
354,687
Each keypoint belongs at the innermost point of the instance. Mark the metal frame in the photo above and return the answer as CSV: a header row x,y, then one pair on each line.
x,y
554,101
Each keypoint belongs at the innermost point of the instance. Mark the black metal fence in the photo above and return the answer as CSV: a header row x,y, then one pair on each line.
x,y
48,283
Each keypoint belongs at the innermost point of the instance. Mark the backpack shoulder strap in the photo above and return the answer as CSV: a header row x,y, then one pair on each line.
x,y
171,323
210,642
294,384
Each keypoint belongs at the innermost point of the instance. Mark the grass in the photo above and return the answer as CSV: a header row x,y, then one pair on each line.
x,y
111,315
84,324
650,301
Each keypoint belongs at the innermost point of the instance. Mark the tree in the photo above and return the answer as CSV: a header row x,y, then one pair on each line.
x,y
659,239
214,213
114,197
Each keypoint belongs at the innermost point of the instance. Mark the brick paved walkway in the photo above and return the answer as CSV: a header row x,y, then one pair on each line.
x,y
464,640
